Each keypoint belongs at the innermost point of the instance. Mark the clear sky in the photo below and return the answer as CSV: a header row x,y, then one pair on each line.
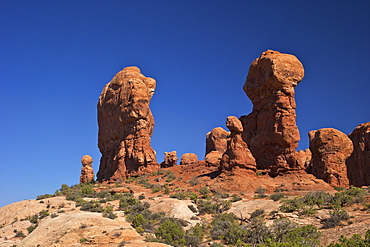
x,y
56,56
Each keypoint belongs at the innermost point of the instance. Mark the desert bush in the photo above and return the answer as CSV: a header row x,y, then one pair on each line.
x,y
257,213
194,236
91,206
291,205
31,228
336,216
235,198
193,181
171,233
354,241
179,195
260,190
54,215
258,232
225,227
19,234
204,191
277,196
192,208
170,176
40,197
317,198
216,206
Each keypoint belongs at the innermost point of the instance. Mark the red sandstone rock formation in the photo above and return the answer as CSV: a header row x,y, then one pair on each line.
x,y
270,130
330,148
189,159
358,164
237,153
170,159
216,140
216,145
126,125
87,172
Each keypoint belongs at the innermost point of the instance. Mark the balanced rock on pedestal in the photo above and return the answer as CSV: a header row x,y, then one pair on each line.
x,y
270,130
87,172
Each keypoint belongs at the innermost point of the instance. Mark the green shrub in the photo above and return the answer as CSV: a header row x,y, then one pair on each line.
x,y
336,216
216,206
193,181
192,208
235,198
194,236
171,233
179,195
277,196
354,241
31,228
257,213
91,206
260,190
204,191
170,176
19,234
40,197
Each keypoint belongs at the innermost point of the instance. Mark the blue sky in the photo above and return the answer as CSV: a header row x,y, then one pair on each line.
x,y
56,56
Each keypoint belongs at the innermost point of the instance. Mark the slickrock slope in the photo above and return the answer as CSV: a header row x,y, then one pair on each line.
x,y
237,153
330,148
358,164
126,125
87,172
270,130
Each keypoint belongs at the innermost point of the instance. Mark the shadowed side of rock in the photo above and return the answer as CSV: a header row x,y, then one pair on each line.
x,y
270,130
126,125
358,164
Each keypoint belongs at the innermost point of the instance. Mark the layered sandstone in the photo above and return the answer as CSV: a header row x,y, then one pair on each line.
x,y
87,172
237,153
358,164
189,159
126,125
170,159
270,130
330,148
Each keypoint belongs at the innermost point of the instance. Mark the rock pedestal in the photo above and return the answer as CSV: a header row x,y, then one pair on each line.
x,y
330,148
189,159
358,164
270,130
87,172
126,125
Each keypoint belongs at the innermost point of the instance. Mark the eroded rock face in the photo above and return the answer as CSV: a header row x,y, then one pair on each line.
x,y
126,125
330,148
170,159
270,130
213,158
358,164
87,172
237,153
189,159
216,140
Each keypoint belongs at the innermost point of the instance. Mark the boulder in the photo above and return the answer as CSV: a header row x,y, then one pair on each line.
x,y
330,148
358,164
270,130
170,159
213,158
126,125
216,140
87,172
189,159
237,153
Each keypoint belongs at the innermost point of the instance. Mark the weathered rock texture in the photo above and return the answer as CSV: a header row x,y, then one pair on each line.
x,y
216,140
237,153
270,130
358,164
126,125
170,159
189,159
87,172
216,145
330,148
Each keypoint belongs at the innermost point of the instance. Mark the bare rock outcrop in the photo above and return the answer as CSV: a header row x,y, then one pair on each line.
x,y
87,172
213,158
270,130
330,148
358,164
216,140
126,125
237,153
189,159
170,159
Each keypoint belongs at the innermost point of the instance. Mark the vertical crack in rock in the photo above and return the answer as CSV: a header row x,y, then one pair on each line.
x,y
126,125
